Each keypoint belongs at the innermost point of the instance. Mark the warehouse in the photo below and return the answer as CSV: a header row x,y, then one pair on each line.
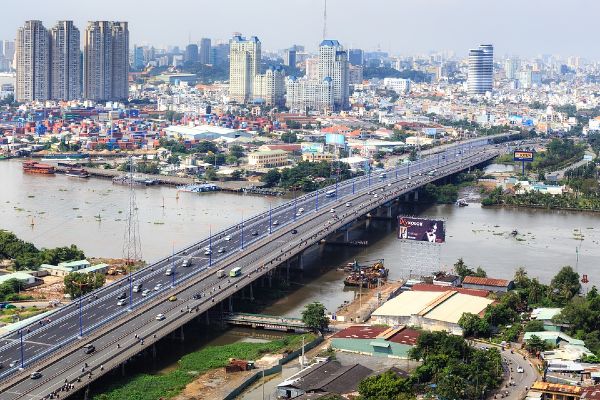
x,y
432,311
381,341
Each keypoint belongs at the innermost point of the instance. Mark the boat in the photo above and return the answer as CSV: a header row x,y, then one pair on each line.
x,y
4,156
515,232
77,173
462,203
34,167
199,188
366,276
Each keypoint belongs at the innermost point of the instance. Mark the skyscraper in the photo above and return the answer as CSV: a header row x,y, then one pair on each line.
x,y
191,53
333,63
7,54
511,68
32,62
204,52
290,57
356,57
138,58
106,61
481,70
270,87
65,62
244,65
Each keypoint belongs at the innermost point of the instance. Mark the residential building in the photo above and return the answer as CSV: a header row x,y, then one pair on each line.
x,y
511,68
106,61
32,62
268,159
308,94
24,278
81,266
269,88
7,54
355,74
65,72
546,315
398,85
555,391
380,341
311,66
356,57
191,53
244,65
204,51
290,57
219,54
318,157
491,284
333,63
480,78
138,58
430,310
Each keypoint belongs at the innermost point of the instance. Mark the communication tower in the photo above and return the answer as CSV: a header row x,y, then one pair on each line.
x,y
132,247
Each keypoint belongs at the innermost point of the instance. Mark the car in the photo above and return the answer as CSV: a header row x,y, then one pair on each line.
x,y
294,231
122,296
389,184
121,302
332,210
298,214
197,296
145,292
301,209
254,233
520,370
221,250
89,348
160,317
158,286
275,222
13,363
228,238
187,262
348,204
137,288
173,298
375,195
169,272
35,375
207,252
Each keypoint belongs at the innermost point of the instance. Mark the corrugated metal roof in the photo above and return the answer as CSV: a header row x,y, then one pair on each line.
x,y
474,280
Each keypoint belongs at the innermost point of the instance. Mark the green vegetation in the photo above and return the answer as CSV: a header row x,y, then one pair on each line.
x,y
536,345
448,193
463,270
570,201
307,176
534,326
27,256
9,291
559,153
78,284
152,387
10,315
289,137
582,314
314,317
450,369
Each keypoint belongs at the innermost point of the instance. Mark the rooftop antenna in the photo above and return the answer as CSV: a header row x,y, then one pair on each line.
x,y
325,21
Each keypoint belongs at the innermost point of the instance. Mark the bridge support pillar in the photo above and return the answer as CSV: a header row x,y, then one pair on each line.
x,y
207,318
346,235
389,211
251,292
287,271
154,351
86,394
270,277
301,261
181,335
230,304
407,197
123,369
416,195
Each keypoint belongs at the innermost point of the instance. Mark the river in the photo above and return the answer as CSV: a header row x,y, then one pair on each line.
x,y
64,209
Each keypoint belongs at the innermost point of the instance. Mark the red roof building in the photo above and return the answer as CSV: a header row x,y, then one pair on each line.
x,y
491,284
426,287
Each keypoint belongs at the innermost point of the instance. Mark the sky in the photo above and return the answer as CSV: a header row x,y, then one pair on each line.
x,y
525,28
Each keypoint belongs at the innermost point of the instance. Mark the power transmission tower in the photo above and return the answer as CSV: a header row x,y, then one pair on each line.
x,y
132,247
325,21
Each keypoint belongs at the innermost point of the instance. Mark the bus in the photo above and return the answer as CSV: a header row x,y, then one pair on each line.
x,y
237,271
330,193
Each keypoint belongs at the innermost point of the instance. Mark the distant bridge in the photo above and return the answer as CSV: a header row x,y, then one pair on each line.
x,y
269,322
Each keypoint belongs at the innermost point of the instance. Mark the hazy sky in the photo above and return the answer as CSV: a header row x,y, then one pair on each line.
x,y
522,27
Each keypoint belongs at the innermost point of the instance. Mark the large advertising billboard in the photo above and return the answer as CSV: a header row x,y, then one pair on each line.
x,y
421,229
311,147
524,155
335,138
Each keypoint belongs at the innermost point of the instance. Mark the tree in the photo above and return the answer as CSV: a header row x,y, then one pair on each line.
x,y
565,285
271,178
534,326
236,150
289,137
384,386
535,344
474,326
236,175
461,269
210,174
78,284
314,317
231,160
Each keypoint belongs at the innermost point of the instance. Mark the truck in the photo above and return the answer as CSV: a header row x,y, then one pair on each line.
x,y
221,273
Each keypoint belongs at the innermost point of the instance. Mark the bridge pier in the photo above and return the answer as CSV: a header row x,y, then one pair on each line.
x,y
181,335
123,369
407,197
389,211
207,318
86,394
416,198
251,292
346,235
301,261
154,351
230,301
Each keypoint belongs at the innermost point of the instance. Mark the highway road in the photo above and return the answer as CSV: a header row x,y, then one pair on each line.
x,y
256,246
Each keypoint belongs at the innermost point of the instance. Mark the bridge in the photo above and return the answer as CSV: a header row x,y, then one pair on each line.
x,y
272,322
179,292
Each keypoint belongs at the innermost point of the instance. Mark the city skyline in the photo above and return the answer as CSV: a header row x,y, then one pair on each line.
x,y
519,28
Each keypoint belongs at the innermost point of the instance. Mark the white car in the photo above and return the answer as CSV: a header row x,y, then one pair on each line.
x,y
160,317
348,204
520,370
228,238
375,195
298,214
301,209
169,272
332,210
145,292
207,252
275,222
158,286
122,302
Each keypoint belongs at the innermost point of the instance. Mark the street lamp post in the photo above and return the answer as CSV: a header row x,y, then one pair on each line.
x,y
173,267
80,319
209,246
22,350
242,236
317,202
270,220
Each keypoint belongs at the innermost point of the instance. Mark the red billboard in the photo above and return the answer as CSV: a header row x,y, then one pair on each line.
x,y
421,229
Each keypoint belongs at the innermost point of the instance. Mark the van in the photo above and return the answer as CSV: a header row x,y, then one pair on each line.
x,y
89,348
237,271
221,273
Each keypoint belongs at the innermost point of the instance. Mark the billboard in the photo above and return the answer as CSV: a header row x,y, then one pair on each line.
x,y
335,138
311,147
421,229
523,155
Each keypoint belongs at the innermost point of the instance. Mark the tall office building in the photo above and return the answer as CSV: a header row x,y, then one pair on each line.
x,y
333,63
480,78
204,52
65,59
219,54
290,57
138,58
106,61
356,57
244,65
32,62
191,53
